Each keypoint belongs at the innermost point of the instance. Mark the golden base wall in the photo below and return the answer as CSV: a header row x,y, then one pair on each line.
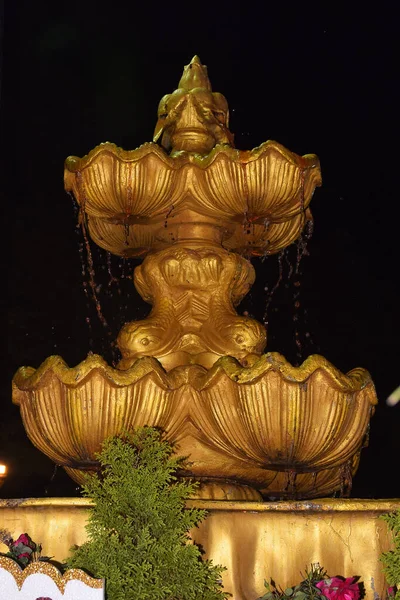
x,y
255,541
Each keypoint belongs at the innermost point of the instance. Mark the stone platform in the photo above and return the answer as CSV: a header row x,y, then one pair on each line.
x,y
255,541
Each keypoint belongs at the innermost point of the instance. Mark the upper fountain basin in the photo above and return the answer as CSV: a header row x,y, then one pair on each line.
x,y
144,199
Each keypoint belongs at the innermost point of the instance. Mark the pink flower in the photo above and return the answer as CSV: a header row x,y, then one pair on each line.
x,y
391,591
23,539
336,588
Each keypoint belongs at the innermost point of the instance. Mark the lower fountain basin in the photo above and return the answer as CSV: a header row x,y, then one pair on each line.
x,y
269,430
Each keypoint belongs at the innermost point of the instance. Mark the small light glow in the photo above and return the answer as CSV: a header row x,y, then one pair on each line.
x,y
394,397
3,470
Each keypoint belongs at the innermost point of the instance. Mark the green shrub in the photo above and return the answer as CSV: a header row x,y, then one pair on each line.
x,y
391,559
138,529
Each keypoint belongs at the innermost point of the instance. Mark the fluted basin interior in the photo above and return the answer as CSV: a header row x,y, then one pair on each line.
x,y
138,199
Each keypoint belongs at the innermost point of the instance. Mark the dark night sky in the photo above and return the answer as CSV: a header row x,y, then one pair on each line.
x,y
313,78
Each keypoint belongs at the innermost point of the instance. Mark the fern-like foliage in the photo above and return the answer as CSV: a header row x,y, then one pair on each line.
x,y
391,559
138,529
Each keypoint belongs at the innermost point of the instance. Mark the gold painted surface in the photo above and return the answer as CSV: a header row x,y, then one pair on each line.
x,y
283,430
139,200
255,541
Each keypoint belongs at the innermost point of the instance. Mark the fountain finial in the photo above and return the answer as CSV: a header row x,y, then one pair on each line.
x,y
194,75
193,118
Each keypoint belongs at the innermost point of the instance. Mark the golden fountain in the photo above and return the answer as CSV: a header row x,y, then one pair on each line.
x,y
254,426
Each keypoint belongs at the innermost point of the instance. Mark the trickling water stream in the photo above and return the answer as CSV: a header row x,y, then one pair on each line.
x,y
107,285
275,299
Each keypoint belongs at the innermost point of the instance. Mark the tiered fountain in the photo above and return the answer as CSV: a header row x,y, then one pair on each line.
x,y
254,426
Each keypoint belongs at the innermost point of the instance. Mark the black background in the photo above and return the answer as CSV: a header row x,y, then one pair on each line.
x,y
315,77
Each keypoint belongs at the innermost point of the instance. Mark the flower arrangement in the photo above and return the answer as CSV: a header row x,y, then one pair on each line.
x,y
23,550
316,585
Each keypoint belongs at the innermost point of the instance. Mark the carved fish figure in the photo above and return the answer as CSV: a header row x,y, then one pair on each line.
x,y
154,336
227,333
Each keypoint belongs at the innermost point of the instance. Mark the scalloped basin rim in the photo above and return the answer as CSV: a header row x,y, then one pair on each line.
x,y
28,378
75,163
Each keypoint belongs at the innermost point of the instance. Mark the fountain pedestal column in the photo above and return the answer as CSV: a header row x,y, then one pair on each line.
x,y
193,289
